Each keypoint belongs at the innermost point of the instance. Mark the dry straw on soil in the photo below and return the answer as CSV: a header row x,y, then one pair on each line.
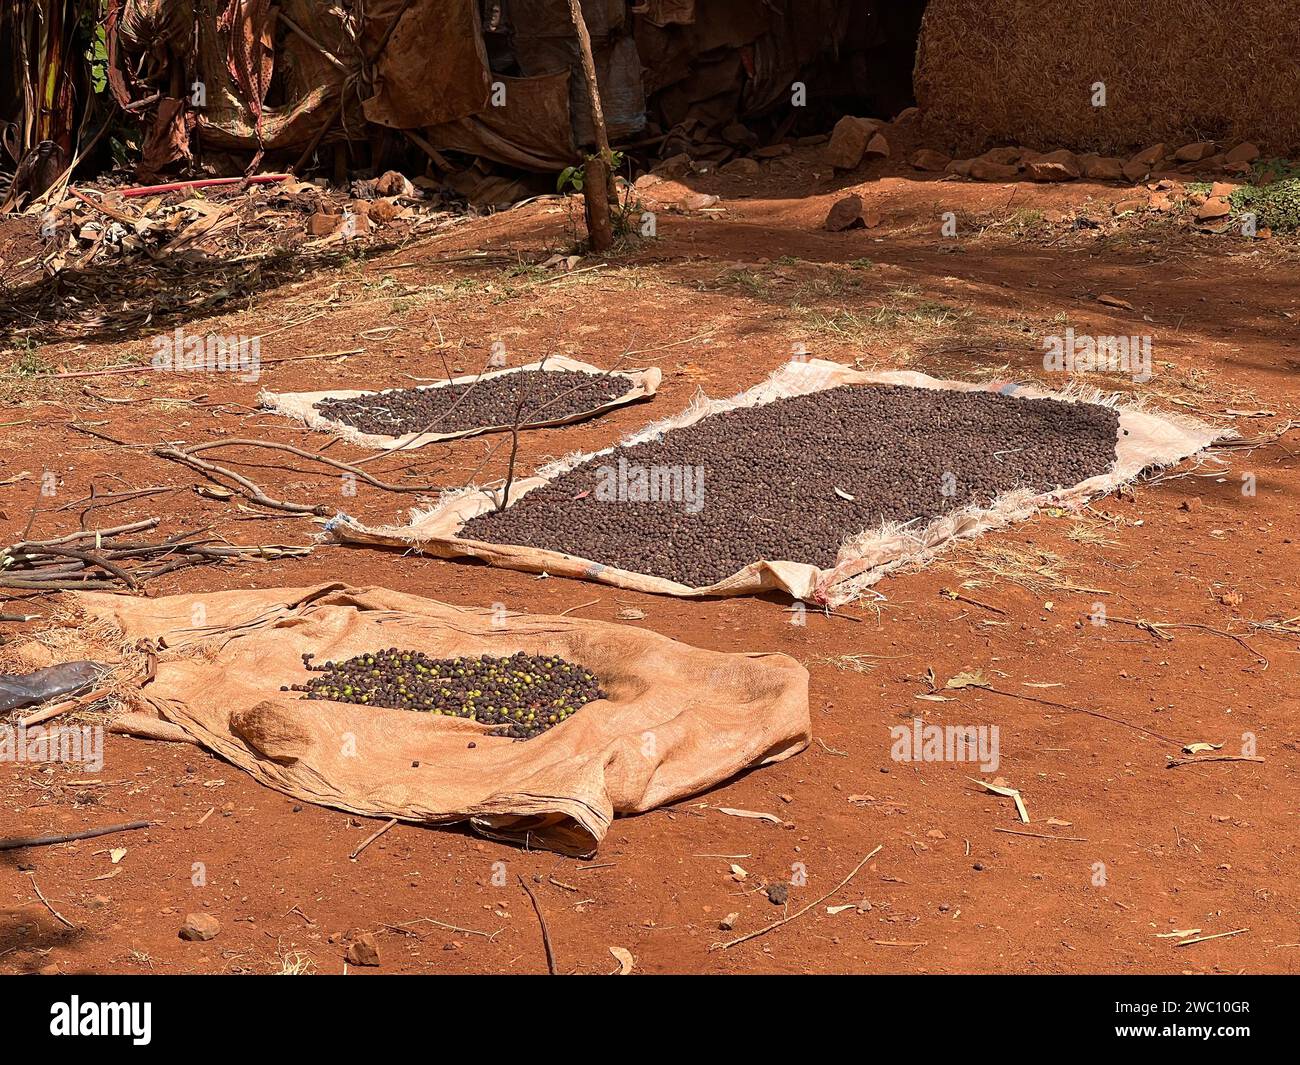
x,y
1022,71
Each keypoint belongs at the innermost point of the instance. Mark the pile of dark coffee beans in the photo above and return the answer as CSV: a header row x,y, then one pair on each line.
x,y
793,479
524,694
547,395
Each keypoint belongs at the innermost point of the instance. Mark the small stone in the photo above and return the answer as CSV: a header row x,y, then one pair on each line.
x,y
363,950
1148,157
391,183
1195,152
322,225
200,927
930,160
742,167
1102,168
985,170
848,142
878,147
674,167
1242,153
845,214
1053,166
729,922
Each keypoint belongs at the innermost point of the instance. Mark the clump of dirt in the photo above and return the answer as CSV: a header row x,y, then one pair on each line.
x,y
523,694
524,397
793,479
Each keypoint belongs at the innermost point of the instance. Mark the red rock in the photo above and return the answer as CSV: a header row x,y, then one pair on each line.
x,y
1004,156
1237,168
1212,209
1150,156
1242,153
1222,189
1053,166
984,170
384,211
1133,204
742,167
845,214
393,184
1194,153
363,950
773,151
322,225
848,142
928,159
960,167
200,927
1102,168
674,167
1136,170
878,146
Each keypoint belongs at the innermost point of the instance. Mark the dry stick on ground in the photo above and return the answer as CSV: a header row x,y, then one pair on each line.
x,y
541,920
1041,835
252,491
595,185
52,910
795,916
1156,627
19,842
372,837
313,456
1174,763
1079,710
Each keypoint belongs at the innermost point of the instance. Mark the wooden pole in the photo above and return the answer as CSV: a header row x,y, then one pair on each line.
x,y
596,176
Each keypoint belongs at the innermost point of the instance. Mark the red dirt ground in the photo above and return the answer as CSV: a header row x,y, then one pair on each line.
x,y
719,300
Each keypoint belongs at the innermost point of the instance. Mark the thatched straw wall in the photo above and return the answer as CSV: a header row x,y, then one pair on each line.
x,y
998,71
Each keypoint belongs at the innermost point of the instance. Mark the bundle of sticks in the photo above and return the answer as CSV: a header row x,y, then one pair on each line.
x,y
118,557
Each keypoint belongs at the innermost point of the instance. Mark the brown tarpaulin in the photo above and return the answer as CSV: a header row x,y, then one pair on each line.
x,y
678,719
434,68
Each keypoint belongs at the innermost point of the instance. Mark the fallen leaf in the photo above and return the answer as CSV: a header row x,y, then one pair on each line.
x,y
844,495
625,960
968,679
832,910
757,815
116,854
738,872
1007,793
1200,748
1114,301
630,613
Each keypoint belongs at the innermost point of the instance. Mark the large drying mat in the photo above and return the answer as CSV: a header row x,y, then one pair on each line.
x,y
1144,440
677,721
301,406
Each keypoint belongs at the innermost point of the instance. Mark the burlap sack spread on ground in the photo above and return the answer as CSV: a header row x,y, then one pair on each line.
x,y
302,405
678,719
1145,440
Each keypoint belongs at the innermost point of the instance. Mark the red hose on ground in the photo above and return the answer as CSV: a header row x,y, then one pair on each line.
x,y
202,183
